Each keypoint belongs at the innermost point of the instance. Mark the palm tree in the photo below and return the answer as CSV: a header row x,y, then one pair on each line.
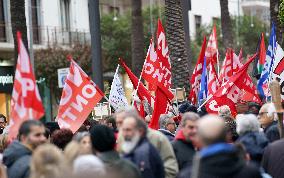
x,y
274,9
18,20
226,25
137,37
176,41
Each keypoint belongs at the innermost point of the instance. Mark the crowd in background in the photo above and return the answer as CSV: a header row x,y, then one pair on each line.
x,y
190,145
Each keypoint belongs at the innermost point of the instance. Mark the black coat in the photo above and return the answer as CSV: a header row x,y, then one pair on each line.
x,y
272,132
184,151
222,164
168,134
147,159
17,159
273,159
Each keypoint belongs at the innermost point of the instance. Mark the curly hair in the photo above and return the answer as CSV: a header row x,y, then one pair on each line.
x,y
61,138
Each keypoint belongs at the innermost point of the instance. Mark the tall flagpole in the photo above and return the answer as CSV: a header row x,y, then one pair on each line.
x,y
135,91
148,53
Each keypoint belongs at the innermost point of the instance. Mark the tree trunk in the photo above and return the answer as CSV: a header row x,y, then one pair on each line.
x,y
274,8
137,37
226,24
177,46
18,20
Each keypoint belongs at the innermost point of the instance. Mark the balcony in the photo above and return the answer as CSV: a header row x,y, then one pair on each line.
x,y
45,36
259,8
256,4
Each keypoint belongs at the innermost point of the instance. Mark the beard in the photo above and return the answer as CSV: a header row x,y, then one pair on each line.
x,y
130,143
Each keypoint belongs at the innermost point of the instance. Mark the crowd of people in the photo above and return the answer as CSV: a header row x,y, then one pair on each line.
x,y
191,145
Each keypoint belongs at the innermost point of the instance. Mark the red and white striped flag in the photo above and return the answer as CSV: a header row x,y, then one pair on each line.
x,y
26,102
212,48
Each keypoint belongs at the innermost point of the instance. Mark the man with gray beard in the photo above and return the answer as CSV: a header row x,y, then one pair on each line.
x,y
139,150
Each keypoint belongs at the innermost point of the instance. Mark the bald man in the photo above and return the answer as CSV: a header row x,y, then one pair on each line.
x,y
268,120
218,158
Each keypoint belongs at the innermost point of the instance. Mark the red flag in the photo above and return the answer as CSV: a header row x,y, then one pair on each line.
x,y
161,102
26,102
151,67
157,68
231,65
142,92
212,48
163,79
230,91
213,82
196,76
249,93
79,96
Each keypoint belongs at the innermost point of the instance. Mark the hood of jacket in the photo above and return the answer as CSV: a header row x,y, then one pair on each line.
x,y
15,151
221,160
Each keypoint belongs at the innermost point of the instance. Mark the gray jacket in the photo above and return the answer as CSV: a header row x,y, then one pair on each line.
x,y
17,159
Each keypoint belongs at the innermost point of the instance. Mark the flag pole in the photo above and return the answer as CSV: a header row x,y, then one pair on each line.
x,y
204,102
135,91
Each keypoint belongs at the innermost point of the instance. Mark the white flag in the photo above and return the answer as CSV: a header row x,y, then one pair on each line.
x,y
117,97
278,68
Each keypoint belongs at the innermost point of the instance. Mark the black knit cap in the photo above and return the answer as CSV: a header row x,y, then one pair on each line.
x,y
187,107
102,138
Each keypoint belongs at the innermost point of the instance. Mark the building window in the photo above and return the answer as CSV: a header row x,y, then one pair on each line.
x,y
35,21
2,23
198,22
114,10
65,14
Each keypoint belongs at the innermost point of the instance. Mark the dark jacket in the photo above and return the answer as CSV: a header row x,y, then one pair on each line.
x,y
184,150
17,158
254,143
273,159
272,132
221,161
147,159
119,166
168,134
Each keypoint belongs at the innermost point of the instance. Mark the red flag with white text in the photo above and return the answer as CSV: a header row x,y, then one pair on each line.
x,y
163,76
142,91
26,102
230,91
79,96
157,68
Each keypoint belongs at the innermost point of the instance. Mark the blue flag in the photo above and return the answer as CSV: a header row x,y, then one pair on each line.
x,y
203,85
263,82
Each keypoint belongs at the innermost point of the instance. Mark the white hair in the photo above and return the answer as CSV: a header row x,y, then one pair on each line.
x,y
271,110
88,165
247,123
164,120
